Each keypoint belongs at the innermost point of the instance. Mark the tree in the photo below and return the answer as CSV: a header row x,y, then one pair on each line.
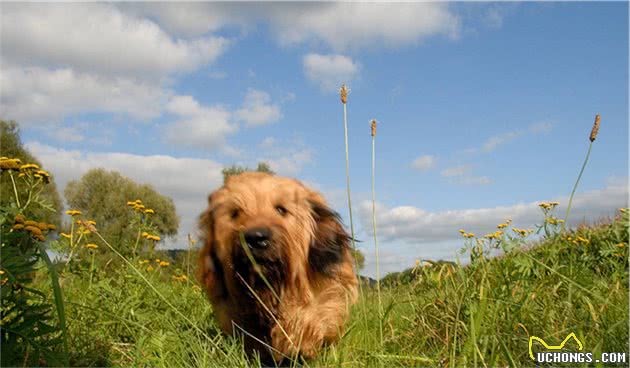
x,y
235,170
358,257
102,196
11,146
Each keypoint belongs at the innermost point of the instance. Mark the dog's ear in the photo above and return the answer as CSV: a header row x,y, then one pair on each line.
x,y
331,242
210,271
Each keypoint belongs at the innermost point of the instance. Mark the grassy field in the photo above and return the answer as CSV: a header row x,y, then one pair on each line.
x,y
437,314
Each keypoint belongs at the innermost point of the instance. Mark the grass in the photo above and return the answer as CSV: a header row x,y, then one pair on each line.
x,y
439,314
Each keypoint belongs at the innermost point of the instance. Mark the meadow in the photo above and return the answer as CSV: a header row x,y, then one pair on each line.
x,y
132,305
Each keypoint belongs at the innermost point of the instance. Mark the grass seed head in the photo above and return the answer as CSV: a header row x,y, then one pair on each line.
x,y
343,94
373,128
595,129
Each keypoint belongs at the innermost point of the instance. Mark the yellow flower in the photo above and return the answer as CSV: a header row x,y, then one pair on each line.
x,y
145,261
502,226
180,278
19,219
73,212
195,287
29,166
18,227
51,227
149,211
620,245
10,164
468,235
164,264
1,272
91,222
34,230
91,246
150,268
65,235
157,260
417,262
462,231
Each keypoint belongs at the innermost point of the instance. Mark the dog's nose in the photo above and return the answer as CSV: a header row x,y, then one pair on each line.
x,y
258,238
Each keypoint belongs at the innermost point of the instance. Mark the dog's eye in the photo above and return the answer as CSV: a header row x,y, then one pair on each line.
x,y
234,214
281,210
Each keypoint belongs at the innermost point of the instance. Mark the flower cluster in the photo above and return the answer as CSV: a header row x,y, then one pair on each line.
x,y
495,235
577,240
522,232
554,220
181,278
162,263
466,235
36,229
547,206
139,207
10,163
151,237
15,164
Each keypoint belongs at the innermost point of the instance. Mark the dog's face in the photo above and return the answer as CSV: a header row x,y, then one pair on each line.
x,y
286,228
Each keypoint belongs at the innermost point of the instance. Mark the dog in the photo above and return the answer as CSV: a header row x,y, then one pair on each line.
x,y
276,265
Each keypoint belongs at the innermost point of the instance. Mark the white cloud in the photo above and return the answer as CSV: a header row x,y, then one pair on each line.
x,y
543,127
257,109
493,142
456,171
356,25
338,25
32,95
423,162
187,181
98,38
284,157
330,71
198,126
411,224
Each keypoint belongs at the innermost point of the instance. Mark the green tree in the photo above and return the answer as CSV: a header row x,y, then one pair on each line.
x,y
359,258
235,170
11,146
102,196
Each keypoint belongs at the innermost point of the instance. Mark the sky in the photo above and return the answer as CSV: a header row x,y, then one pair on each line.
x,y
483,109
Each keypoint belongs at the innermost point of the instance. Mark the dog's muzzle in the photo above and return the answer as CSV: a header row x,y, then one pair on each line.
x,y
258,238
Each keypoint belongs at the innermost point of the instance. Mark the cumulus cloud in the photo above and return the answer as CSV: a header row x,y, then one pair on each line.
x,y
351,25
330,71
340,26
32,95
284,157
187,181
198,126
412,224
456,171
98,38
257,109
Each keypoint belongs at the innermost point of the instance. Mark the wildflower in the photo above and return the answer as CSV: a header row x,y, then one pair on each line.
x,y
68,236
180,278
30,223
145,261
1,272
157,260
468,235
620,245
150,268
33,230
149,211
9,163
595,129
195,287
51,227
417,263
90,222
164,264
29,166
73,212
623,210
462,231
18,227
19,219
502,226
42,226
91,246
145,234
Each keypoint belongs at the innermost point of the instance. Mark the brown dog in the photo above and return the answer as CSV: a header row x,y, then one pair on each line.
x,y
276,265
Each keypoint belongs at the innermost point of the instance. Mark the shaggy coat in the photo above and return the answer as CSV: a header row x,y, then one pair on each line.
x,y
276,265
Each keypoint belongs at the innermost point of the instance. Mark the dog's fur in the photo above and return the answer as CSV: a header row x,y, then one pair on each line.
x,y
307,262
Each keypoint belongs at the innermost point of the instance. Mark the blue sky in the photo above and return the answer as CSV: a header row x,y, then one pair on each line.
x,y
483,108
